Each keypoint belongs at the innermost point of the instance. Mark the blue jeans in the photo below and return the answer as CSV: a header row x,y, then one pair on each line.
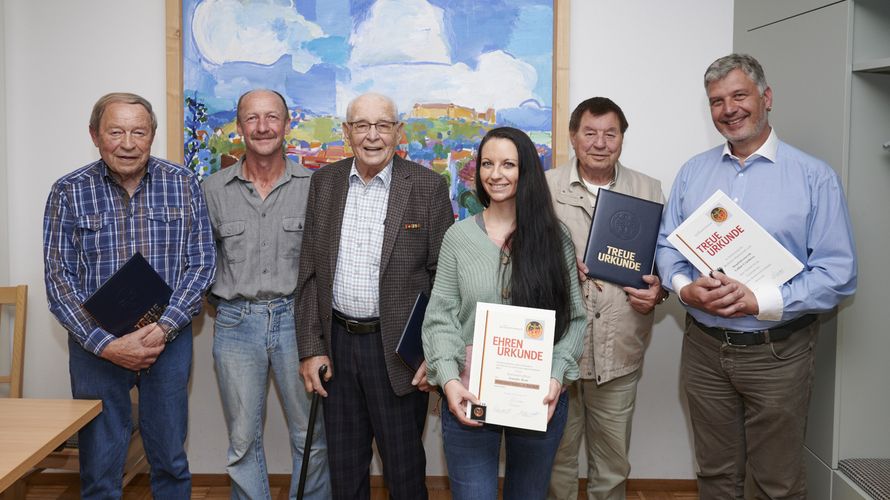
x,y
250,339
473,453
163,419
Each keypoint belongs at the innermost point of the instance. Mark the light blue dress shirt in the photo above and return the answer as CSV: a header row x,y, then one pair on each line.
x,y
798,199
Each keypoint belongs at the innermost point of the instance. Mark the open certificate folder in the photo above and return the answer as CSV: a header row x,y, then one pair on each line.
x,y
719,235
510,373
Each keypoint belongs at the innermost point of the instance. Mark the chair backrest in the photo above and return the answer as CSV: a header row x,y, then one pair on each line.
x,y
16,296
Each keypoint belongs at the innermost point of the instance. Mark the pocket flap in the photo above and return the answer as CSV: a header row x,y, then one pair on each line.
x,y
293,223
227,229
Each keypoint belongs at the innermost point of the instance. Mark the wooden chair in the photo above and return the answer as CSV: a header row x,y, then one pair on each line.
x,y
66,458
16,296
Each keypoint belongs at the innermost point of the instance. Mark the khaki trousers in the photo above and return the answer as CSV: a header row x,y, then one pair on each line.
x,y
603,414
748,406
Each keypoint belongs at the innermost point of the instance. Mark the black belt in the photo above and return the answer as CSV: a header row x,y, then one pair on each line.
x,y
357,326
757,337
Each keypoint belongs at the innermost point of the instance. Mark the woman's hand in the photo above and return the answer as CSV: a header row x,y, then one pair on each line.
x,y
552,397
457,396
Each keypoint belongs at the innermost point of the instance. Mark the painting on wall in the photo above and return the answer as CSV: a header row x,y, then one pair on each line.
x,y
455,68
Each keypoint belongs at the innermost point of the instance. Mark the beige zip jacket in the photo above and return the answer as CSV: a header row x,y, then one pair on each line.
x,y
616,335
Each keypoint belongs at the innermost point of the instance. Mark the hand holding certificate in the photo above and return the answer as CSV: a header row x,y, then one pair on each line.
x,y
719,235
512,356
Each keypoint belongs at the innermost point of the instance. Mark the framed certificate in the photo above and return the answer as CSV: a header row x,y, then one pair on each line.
x,y
719,235
510,373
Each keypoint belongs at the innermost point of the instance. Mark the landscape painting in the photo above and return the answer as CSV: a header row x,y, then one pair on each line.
x,y
455,68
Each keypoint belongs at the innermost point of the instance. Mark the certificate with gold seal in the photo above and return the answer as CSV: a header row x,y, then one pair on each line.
x,y
510,370
719,235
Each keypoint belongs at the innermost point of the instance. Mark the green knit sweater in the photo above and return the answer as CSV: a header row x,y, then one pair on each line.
x,y
467,273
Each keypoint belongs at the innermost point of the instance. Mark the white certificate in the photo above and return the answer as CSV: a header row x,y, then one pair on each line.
x,y
510,372
720,235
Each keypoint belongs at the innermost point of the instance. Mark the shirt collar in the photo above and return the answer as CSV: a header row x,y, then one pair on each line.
x,y
767,150
149,167
384,175
291,169
575,177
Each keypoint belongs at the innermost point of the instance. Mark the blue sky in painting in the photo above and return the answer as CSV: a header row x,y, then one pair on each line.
x,y
321,53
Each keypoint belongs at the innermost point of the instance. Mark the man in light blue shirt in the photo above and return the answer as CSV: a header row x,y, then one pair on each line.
x,y
748,355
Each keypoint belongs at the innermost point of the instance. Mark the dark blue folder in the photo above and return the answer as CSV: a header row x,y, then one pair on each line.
x,y
134,296
410,347
621,244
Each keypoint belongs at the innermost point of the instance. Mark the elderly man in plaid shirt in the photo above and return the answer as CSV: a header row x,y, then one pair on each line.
x,y
96,218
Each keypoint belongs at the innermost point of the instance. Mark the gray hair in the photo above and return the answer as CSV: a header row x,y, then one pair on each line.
x,y
122,97
723,66
389,103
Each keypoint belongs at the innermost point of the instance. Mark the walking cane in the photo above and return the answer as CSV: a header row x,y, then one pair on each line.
x,y
313,413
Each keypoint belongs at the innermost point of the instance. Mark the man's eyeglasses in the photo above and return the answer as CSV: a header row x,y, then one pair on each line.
x,y
383,127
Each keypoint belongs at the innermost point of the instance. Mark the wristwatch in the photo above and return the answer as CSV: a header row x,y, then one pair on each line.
x,y
665,297
170,332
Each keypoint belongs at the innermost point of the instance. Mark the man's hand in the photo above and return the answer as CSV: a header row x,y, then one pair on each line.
x,y
747,303
156,337
309,371
135,351
420,380
643,300
552,397
720,295
457,396
582,269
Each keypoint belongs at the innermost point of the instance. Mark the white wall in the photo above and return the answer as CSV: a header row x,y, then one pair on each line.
x,y
61,56
4,199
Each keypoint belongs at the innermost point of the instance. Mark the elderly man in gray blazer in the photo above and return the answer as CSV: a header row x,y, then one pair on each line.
x,y
373,228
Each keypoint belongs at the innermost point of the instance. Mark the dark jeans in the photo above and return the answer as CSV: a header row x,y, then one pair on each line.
x,y
473,453
748,406
163,419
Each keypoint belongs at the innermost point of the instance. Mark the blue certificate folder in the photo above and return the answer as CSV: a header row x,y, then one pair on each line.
x,y
410,347
621,244
134,296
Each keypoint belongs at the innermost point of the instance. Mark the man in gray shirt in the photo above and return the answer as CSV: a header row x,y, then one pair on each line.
x,y
257,208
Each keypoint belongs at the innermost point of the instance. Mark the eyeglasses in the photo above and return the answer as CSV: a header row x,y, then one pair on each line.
x,y
383,127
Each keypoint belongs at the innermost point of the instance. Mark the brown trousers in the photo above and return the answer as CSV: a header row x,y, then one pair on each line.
x,y
748,407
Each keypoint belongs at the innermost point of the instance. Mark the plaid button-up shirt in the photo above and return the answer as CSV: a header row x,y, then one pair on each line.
x,y
357,280
91,226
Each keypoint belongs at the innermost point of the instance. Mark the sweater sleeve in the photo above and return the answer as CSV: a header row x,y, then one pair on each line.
x,y
568,350
443,345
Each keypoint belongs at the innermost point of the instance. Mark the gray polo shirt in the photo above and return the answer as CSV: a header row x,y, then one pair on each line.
x,y
257,241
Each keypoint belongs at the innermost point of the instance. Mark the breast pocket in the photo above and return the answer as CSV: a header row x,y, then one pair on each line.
x,y
233,240
166,225
94,235
291,237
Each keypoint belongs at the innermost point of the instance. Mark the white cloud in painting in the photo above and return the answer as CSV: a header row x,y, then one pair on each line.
x,y
400,31
400,51
258,32
500,81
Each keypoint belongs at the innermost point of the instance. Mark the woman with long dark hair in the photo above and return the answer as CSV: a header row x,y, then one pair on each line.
x,y
514,252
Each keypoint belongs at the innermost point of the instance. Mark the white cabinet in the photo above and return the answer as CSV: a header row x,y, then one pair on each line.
x,y
829,68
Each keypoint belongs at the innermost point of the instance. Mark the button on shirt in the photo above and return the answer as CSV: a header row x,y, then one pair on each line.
x,y
258,240
798,199
357,279
91,227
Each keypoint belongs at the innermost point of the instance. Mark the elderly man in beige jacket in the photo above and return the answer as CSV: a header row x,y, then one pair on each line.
x,y
619,320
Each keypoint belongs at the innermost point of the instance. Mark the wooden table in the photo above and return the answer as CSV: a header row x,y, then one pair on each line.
x,y
31,428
